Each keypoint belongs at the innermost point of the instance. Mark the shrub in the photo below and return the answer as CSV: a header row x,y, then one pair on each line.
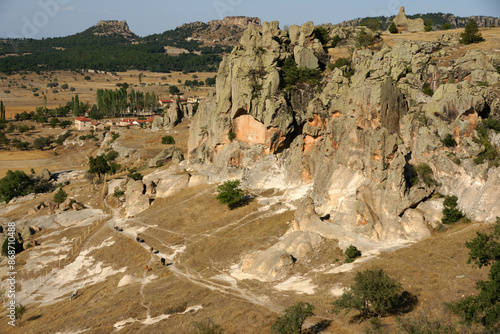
x,y
427,90
114,136
292,75
321,33
231,135
293,319
335,40
450,212
168,140
173,90
446,26
60,196
230,193
352,252
374,293
471,34
364,39
341,62
118,192
134,175
449,141
393,29
87,77
207,327
18,246
424,173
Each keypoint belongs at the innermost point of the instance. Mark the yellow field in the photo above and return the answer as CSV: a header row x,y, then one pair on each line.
x,y
21,97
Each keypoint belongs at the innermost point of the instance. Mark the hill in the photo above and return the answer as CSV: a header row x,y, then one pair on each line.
x,y
111,46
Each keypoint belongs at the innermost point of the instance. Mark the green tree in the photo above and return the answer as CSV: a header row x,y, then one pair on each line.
x,y
484,308
446,26
54,121
18,246
98,165
293,319
173,90
15,184
393,29
321,33
41,143
372,24
450,212
471,34
60,196
230,193
428,24
2,111
373,293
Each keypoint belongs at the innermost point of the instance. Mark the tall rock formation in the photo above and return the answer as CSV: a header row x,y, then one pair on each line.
x,y
405,24
357,140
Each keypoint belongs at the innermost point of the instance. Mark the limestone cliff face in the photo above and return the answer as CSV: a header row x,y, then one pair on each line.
x,y
354,140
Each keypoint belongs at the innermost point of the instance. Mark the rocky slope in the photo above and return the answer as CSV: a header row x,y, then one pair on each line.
x,y
113,28
355,141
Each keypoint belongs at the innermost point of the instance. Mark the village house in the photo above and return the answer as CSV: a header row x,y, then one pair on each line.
x,y
83,123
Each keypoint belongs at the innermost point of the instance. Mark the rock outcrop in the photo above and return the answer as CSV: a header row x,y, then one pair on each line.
x,y
356,140
405,24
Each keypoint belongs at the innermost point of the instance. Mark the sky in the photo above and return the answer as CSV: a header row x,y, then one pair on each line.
x,y
54,18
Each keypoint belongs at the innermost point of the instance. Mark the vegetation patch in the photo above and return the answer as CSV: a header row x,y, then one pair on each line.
x,y
292,74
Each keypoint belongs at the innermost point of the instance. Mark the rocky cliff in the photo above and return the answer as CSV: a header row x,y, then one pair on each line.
x,y
358,137
113,27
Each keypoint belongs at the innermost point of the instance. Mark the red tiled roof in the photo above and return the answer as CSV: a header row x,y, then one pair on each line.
x,y
83,119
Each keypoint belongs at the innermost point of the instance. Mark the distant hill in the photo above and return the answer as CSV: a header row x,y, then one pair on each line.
x,y
438,19
111,46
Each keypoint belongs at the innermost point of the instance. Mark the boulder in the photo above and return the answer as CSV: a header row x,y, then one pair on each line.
x,y
136,198
66,205
44,174
77,206
305,57
173,153
26,233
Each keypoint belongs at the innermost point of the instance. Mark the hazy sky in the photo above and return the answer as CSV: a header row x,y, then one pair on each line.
x,y
52,18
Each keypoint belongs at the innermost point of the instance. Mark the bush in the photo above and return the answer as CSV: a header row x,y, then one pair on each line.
x,y
173,90
60,196
449,141
118,192
450,212
18,246
351,252
335,40
230,193
231,135
393,29
321,33
374,293
168,140
341,62
293,319
425,174
364,39
471,34
427,90
292,75
446,26
207,327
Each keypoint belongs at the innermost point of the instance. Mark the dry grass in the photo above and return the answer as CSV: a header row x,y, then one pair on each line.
x,y
21,99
